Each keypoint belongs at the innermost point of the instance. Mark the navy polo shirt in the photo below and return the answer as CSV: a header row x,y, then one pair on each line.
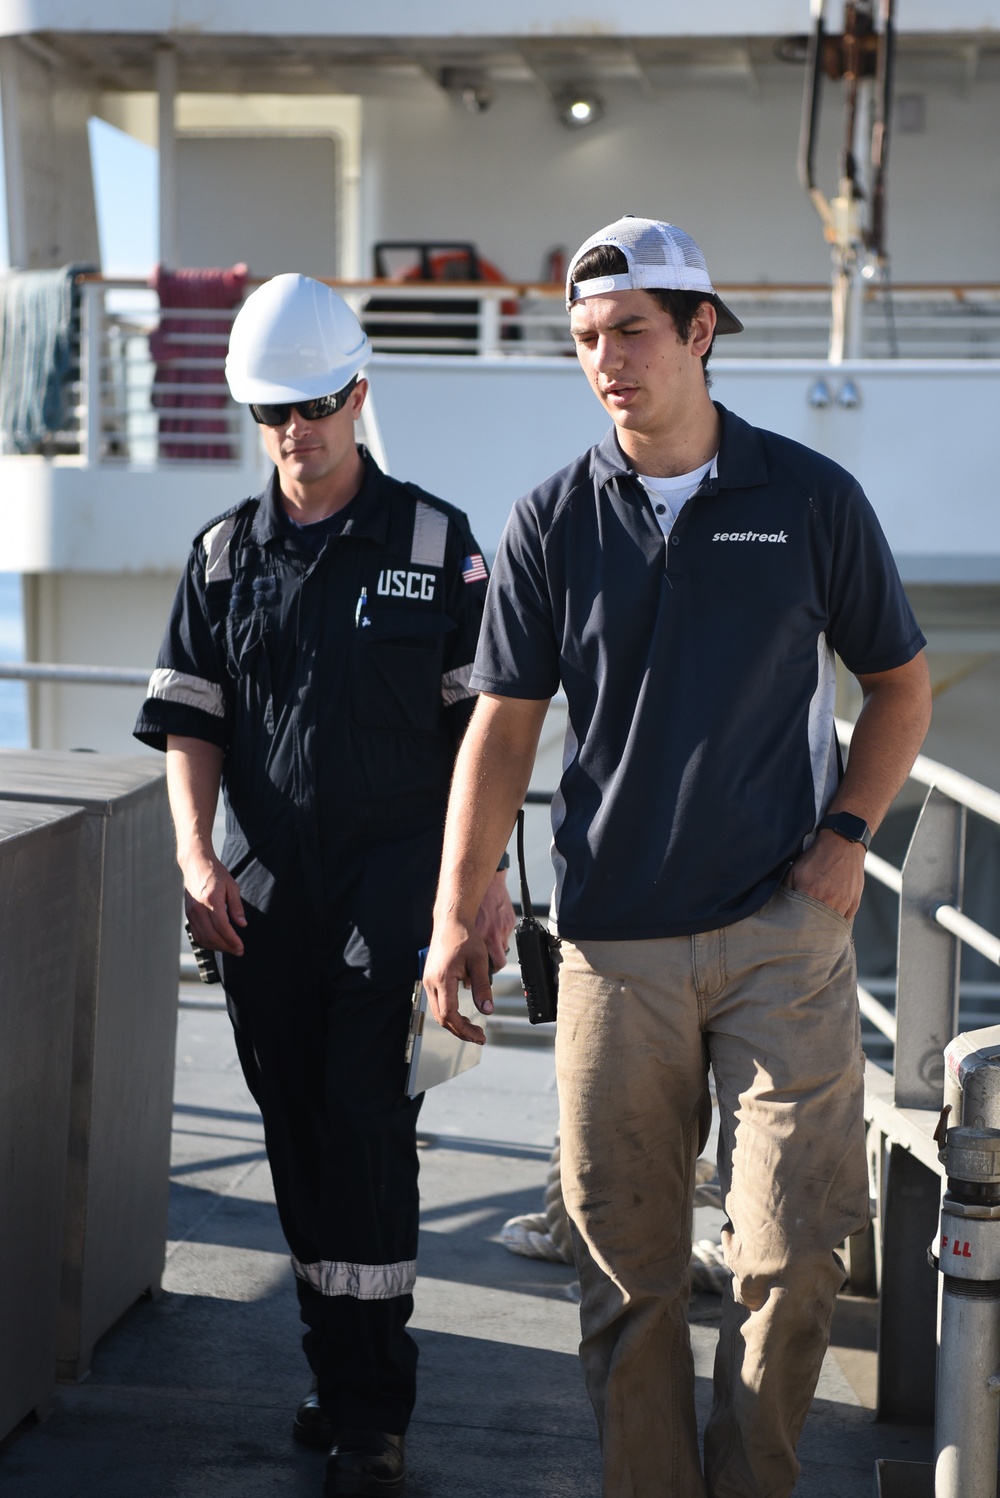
x,y
699,671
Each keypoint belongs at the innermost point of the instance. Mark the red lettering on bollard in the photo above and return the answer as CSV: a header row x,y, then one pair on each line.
x,y
956,1248
966,1253
944,1241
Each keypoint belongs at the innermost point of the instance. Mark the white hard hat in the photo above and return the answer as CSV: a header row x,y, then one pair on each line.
x,y
293,339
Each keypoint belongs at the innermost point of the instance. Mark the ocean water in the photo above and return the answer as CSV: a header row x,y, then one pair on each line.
x,y
13,698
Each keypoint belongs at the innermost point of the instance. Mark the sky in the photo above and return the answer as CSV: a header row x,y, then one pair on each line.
x,y
125,187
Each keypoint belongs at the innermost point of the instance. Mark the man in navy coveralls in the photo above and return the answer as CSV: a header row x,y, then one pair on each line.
x,y
317,663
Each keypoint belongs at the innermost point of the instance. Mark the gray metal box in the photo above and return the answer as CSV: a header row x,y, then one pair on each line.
x,y
39,887
117,1181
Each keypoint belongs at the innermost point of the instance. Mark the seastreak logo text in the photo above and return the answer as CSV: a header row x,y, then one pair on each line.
x,y
749,536
400,584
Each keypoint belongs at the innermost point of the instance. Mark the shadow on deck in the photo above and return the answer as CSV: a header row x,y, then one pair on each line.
x,y
191,1395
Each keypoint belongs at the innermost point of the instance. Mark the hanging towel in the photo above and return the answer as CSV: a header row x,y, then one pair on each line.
x,y
181,345
39,351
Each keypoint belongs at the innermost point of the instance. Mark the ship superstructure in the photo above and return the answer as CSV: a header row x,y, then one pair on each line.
x,y
506,135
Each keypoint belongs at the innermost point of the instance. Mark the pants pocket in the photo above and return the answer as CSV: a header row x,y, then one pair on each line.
x,y
810,901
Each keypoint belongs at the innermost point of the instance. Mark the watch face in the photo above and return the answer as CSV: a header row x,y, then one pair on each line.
x,y
847,825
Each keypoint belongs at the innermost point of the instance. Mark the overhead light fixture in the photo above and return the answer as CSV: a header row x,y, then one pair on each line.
x,y
469,86
578,107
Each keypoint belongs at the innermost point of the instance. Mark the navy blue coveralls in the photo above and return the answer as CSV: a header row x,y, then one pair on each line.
x,y
332,665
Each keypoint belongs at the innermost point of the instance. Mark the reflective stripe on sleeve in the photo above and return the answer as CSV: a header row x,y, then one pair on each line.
x,y
455,685
430,536
216,543
360,1281
191,691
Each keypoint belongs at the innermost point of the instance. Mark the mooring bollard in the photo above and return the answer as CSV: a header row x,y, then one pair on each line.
x,y
967,1251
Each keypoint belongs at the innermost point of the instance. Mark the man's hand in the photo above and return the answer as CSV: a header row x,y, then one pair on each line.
x,y
887,736
831,870
496,919
213,906
489,784
211,895
458,957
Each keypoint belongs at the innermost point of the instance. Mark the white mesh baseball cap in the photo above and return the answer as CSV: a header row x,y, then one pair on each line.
x,y
659,256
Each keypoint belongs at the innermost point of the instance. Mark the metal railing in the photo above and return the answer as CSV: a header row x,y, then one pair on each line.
x,y
85,676
932,930
913,322
148,386
903,1106
153,386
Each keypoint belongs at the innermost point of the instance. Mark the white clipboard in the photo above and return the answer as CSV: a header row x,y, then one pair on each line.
x,y
433,1054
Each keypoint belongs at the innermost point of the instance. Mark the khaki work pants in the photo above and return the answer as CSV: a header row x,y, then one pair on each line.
x,y
770,1003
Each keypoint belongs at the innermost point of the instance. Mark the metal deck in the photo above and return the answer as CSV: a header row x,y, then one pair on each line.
x,y
191,1395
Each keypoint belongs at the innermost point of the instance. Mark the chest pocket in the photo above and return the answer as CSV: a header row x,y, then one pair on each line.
x,y
250,664
396,667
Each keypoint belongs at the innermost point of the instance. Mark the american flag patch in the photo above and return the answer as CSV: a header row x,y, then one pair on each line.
x,y
474,569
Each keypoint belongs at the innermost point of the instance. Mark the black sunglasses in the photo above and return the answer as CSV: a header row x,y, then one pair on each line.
x,y
314,410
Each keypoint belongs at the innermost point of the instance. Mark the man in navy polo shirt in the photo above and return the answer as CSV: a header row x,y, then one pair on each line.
x,y
686,583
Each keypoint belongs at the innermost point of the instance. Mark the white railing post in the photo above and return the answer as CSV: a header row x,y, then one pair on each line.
x,y
489,324
91,339
928,963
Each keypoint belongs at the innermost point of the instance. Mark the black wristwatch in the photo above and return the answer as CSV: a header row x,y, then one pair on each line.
x,y
845,824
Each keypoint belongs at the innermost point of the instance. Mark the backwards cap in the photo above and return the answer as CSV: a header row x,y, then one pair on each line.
x,y
659,256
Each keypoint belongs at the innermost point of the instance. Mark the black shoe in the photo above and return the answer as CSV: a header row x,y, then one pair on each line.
x,y
365,1464
311,1425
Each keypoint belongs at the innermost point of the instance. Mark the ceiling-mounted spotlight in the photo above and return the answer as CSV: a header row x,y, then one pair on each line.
x,y
578,107
470,86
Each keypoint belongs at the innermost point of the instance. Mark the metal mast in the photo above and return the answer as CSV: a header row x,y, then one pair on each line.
x,y
854,221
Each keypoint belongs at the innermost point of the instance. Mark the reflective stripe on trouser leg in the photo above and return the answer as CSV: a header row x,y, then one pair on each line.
x,y
631,1070
786,1050
360,1281
322,1048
